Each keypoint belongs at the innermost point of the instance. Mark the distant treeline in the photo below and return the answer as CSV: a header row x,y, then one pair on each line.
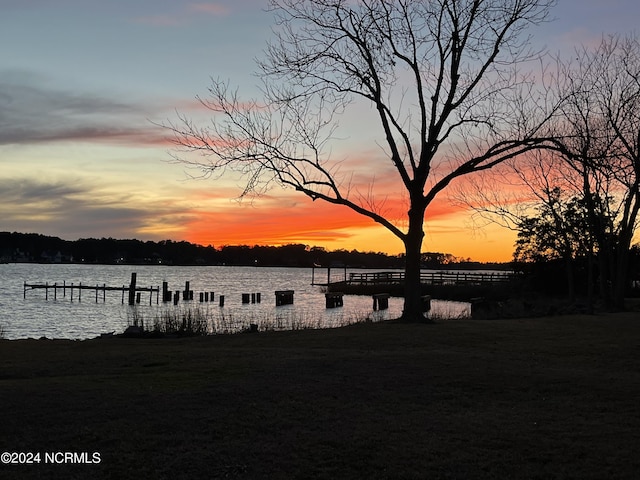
x,y
32,247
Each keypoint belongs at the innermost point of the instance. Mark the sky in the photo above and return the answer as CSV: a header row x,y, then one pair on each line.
x,y
84,83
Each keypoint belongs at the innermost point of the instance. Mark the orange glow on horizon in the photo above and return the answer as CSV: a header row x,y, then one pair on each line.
x,y
334,227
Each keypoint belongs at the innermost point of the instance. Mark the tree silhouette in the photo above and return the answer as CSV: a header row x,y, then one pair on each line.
x,y
557,229
440,77
592,156
599,134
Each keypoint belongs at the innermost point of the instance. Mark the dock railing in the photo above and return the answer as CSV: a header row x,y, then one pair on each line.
x,y
432,278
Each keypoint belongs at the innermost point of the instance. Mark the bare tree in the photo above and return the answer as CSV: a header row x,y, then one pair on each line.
x,y
539,196
442,79
593,156
600,138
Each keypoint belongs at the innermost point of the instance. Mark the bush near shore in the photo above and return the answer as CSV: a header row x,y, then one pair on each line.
x,y
552,397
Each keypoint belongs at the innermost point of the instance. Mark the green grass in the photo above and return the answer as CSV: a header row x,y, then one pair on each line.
x,y
505,399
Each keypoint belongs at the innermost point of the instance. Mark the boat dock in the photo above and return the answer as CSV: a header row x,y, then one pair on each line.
x,y
431,278
134,291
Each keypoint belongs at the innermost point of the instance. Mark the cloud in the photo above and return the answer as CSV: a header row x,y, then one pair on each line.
x,y
20,193
31,112
70,209
215,9
186,16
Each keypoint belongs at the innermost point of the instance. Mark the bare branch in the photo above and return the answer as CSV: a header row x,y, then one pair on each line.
x,y
443,77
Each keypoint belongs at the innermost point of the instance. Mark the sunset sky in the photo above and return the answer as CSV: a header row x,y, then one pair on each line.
x,y
82,83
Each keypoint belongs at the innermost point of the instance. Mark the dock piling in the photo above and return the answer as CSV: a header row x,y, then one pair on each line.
x,y
284,297
426,303
132,288
380,301
333,299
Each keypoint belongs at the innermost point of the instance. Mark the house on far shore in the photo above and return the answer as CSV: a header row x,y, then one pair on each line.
x,y
13,256
57,257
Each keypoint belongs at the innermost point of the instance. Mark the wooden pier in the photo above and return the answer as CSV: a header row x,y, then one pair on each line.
x,y
64,287
431,278
339,267
134,292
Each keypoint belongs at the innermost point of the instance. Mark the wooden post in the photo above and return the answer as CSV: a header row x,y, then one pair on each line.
x,y
426,303
284,297
185,295
79,291
245,298
132,288
166,296
383,302
221,300
72,291
380,301
138,297
46,291
55,291
104,292
333,299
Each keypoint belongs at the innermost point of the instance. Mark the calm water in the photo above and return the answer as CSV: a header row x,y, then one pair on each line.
x,y
35,316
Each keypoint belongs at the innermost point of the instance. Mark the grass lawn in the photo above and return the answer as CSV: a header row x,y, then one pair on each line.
x,y
503,399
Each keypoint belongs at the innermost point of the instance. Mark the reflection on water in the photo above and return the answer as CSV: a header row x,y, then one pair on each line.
x,y
31,315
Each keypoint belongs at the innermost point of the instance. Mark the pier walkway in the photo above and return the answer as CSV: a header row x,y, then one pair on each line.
x,y
432,278
133,291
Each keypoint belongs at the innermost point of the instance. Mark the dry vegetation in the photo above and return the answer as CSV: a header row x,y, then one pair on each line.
x,y
528,399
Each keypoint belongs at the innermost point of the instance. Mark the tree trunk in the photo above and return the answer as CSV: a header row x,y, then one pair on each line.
x,y
412,311
571,283
622,253
590,285
620,280
604,264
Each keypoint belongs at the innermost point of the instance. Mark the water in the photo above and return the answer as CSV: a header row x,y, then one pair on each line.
x,y
33,316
